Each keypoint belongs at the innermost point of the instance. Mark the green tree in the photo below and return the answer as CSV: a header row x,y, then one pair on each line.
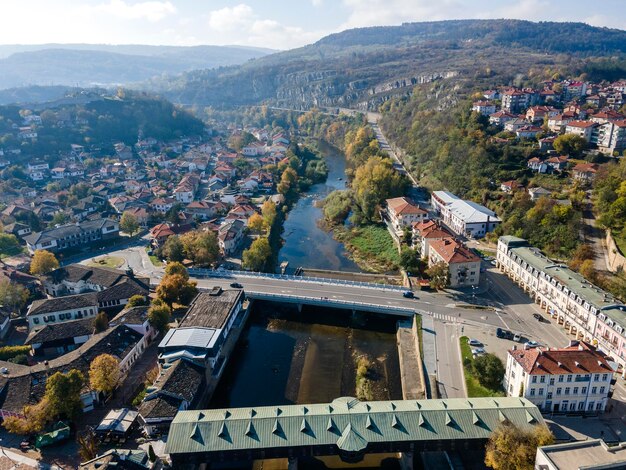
x,y
129,223
511,448
489,371
159,316
136,301
63,394
43,262
9,245
200,246
173,249
570,144
13,296
101,322
439,275
175,288
257,257
288,182
104,373
337,206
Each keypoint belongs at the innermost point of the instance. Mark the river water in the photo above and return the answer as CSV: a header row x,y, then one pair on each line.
x,y
290,357
306,244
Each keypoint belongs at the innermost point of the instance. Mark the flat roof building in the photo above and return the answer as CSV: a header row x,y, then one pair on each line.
x,y
593,454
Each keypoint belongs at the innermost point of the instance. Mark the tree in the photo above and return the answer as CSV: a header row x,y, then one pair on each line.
x,y
101,322
268,210
588,270
288,182
129,223
104,373
337,206
410,260
137,301
63,394
200,246
510,448
9,244
176,288
159,316
173,249
256,223
489,371
439,275
581,253
570,144
43,262
88,444
13,296
176,268
257,256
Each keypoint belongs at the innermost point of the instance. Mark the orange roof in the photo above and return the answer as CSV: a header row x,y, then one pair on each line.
x,y
452,251
402,206
586,167
578,359
582,124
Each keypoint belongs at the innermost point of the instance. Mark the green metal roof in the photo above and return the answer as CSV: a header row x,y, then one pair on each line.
x,y
346,422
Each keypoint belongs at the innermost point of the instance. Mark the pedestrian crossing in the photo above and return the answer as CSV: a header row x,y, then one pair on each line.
x,y
444,318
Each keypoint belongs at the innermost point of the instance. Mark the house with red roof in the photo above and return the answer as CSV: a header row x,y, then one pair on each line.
x,y
584,129
403,212
463,265
574,379
585,172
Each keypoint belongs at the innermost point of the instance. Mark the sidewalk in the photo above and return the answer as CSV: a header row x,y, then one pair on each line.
x,y
10,460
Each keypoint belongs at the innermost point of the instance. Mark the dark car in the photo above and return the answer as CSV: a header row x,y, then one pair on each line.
x,y
408,294
537,317
505,334
236,285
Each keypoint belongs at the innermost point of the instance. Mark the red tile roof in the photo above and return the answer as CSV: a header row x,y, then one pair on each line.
x,y
577,359
452,251
402,206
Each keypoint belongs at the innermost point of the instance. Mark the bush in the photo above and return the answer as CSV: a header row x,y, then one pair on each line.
x,y
10,352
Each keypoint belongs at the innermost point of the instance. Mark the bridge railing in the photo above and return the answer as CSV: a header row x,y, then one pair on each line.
x,y
199,272
330,301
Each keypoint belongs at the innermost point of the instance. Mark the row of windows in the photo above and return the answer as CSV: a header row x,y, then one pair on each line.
x,y
566,391
64,316
570,377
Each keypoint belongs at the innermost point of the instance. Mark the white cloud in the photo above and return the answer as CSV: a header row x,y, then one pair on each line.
x,y
242,25
317,3
150,10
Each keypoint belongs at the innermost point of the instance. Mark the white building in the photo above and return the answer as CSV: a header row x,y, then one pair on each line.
x,y
572,379
465,218
60,309
612,136
584,129
484,107
591,454
403,212
587,312
463,265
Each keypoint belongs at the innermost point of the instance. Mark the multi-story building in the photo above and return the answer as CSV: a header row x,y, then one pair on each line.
x,y
465,218
585,129
484,107
73,235
463,265
572,379
588,313
514,101
403,213
612,136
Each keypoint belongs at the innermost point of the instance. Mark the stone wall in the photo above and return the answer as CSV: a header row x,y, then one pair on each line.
x,y
617,260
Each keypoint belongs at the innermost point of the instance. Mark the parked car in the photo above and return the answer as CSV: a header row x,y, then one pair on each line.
x,y
538,317
408,294
517,337
474,342
236,285
530,344
478,351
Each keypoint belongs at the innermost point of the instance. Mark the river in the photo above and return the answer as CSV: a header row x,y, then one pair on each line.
x,y
305,243
286,357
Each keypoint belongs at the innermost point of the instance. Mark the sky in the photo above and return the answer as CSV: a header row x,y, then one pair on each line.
x,y
276,24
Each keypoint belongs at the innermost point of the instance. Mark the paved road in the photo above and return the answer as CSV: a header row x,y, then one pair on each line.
x,y
595,237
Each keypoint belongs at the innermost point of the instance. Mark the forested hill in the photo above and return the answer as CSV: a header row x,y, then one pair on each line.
x,y
86,64
365,67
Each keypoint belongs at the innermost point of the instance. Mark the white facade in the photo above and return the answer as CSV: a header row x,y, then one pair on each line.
x,y
465,218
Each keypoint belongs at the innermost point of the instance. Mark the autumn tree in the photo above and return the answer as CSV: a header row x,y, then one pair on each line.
x,y
511,448
100,322
13,296
104,373
439,275
129,223
176,288
268,210
88,444
159,316
176,268
256,223
288,182
588,270
43,262
201,247
257,256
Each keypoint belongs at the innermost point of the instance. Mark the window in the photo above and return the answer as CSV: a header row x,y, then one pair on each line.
x,y
560,378
575,390
596,377
572,406
581,406
541,392
583,390
602,390
569,378
534,379
551,380
549,396
605,377
542,379
598,406
558,391
532,392
566,390
594,390
590,405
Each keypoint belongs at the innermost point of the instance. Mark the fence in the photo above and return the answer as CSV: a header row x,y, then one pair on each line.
x,y
196,272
